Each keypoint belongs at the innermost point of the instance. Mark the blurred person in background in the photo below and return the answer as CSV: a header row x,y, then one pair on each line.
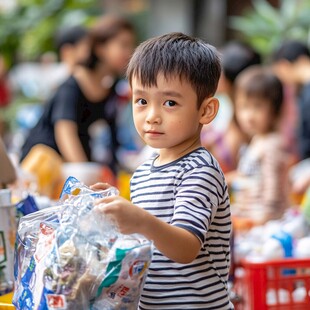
x,y
291,62
87,96
225,141
259,185
73,47
41,79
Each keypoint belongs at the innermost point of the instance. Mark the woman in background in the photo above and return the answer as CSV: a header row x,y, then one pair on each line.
x,y
87,96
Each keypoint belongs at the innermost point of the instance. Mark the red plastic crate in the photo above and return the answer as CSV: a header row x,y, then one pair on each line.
x,y
255,280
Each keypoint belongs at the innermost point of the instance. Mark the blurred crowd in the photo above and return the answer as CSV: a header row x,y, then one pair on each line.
x,y
261,135
263,145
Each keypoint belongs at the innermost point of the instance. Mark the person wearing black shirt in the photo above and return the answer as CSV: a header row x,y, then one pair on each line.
x,y
86,96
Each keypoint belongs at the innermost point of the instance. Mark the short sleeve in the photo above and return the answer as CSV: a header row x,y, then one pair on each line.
x,y
197,200
65,103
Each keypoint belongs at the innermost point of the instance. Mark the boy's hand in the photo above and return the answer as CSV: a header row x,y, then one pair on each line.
x,y
100,186
128,217
174,242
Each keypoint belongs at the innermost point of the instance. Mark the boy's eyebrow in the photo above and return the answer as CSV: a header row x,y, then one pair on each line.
x,y
138,92
167,93
171,93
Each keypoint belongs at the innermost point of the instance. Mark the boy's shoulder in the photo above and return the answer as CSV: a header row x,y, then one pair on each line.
x,y
197,159
198,165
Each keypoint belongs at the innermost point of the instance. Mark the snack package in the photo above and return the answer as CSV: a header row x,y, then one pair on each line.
x,y
72,257
27,206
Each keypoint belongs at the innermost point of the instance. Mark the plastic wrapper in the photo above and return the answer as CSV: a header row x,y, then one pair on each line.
x,y
72,257
27,206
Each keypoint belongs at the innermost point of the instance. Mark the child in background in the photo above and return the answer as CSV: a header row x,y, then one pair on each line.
x,y
224,137
179,198
259,184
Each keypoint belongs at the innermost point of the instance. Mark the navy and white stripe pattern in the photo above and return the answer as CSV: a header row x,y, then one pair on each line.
x,y
190,193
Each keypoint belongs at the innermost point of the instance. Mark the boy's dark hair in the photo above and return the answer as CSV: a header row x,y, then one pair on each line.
x,y
261,82
237,56
71,35
291,51
177,54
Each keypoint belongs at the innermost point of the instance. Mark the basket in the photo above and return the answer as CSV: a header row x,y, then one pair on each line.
x,y
278,284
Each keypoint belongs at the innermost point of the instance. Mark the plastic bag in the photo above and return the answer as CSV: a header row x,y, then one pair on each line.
x,y
71,257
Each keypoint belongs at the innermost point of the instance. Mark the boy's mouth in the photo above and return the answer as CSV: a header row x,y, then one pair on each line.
x,y
154,132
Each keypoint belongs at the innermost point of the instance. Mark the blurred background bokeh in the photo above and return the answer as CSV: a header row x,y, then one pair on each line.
x,y
28,28
31,70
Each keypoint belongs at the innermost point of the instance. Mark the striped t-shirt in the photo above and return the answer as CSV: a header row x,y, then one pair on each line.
x,y
190,193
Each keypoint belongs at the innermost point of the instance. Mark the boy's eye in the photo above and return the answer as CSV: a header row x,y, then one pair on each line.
x,y
170,103
141,102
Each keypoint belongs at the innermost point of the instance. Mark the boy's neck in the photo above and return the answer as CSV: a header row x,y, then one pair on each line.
x,y
167,156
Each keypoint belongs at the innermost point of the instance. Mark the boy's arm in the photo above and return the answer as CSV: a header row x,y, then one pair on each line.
x,y
174,242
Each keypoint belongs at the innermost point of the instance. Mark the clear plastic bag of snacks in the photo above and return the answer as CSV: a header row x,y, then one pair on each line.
x,y
71,257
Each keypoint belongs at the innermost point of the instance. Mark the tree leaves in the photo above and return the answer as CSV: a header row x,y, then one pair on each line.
x,y
29,29
265,27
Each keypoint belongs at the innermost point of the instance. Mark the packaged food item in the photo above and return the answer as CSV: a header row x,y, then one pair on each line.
x,y
72,257
45,164
27,206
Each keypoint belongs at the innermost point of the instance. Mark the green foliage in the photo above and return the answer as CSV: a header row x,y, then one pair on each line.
x,y
28,31
265,27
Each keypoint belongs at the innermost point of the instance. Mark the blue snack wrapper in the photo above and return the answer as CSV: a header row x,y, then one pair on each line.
x,y
27,206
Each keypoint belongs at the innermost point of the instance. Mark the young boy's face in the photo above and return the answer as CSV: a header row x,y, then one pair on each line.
x,y
166,116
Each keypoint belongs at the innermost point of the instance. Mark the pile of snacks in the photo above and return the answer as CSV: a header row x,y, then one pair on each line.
x,y
71,257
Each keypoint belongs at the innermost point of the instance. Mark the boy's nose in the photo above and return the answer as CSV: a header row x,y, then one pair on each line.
x,y
153,117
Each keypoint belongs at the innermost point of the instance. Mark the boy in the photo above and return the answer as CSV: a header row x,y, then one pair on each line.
x,y
179,199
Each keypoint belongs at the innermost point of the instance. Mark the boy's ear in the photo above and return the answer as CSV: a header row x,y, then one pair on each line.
x,y
208,110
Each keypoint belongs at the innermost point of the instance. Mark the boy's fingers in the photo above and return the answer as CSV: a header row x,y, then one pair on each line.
x,y
100,186
104,205
107,210
100,203
101,206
